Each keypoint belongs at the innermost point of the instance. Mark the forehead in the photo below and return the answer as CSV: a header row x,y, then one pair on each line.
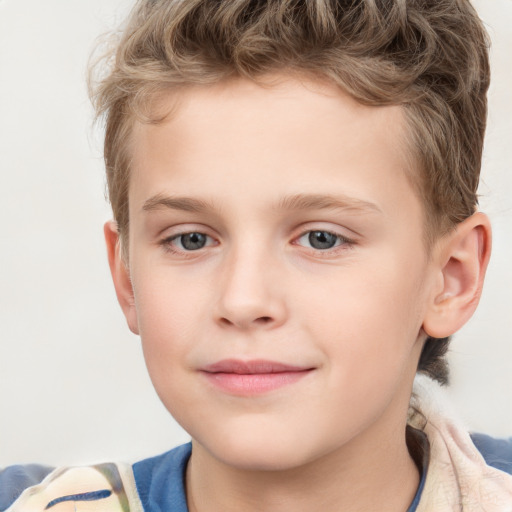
x,y
287,136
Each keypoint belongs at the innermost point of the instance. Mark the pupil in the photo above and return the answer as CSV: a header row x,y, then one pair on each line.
x,y
322,239
193,241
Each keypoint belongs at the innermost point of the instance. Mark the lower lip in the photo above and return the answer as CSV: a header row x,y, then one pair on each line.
x,y
254,383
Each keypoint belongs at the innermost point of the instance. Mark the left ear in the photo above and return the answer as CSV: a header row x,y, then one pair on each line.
x,y
461,257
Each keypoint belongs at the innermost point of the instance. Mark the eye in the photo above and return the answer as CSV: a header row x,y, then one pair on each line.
x,y
189,241
321,240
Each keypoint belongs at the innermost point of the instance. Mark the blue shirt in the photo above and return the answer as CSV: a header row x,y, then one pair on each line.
x,y
160,480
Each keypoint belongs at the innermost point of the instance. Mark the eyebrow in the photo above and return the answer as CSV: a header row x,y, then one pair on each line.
x,y
187,204
326,202
292,202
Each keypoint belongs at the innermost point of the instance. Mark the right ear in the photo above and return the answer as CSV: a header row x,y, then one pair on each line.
x,y
120,275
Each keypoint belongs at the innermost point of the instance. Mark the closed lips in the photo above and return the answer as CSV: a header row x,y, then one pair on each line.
x,y
251,367
249,378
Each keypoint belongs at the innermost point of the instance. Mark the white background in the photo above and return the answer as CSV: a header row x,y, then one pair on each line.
x,y
73,386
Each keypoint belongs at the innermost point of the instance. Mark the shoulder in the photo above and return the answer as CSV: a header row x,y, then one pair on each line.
x,y
15,479
431,406
160,480
155,484
496,452
106,487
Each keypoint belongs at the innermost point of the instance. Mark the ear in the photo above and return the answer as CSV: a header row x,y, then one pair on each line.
x,y
461,258
120,275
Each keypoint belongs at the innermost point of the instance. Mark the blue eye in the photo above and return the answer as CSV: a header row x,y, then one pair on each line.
x,y
321,240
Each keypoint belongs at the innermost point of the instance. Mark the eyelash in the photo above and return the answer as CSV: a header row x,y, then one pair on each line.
x,y
343,245
166,243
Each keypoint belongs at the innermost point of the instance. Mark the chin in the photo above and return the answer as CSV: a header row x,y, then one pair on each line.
x,y
257,450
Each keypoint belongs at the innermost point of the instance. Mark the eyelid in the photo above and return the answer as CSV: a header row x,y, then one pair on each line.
x,y
327,227
182,228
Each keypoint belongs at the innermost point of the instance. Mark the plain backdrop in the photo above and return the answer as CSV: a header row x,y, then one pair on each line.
x,y
73,385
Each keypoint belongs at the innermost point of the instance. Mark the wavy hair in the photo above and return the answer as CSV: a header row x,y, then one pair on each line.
x,y
428,56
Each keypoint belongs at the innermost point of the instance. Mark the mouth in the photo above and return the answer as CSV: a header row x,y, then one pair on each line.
x,y
252,377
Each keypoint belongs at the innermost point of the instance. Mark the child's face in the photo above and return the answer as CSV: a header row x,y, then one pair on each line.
x,y
305,249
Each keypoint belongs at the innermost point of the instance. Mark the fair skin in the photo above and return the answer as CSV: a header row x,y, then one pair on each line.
x,y
305,248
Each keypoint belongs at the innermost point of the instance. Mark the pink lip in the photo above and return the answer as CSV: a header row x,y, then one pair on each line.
x,y
252,377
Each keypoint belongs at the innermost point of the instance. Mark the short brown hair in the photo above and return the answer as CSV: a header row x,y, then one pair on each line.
x,y
428,56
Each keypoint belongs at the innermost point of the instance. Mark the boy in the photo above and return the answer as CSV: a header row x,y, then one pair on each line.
x,y
296,234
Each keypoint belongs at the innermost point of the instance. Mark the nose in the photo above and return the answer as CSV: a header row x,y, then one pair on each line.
x,y
251,292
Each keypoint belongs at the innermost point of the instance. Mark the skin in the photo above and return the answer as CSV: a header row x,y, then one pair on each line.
x,y
355,314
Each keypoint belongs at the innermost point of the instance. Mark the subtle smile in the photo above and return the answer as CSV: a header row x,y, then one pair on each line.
x,y
252,377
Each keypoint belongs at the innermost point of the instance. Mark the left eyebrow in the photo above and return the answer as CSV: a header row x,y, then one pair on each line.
x,y
327,202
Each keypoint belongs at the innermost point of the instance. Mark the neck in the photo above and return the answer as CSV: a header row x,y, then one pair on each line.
x,y
367,474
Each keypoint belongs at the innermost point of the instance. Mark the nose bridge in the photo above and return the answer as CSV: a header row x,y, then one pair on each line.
x,y
249,294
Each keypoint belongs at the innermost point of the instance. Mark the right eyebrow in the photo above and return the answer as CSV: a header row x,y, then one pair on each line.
x,y
186,204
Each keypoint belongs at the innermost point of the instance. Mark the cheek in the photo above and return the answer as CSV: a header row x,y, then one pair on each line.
x,y
167,300
166,324
368,316
168,311
368,340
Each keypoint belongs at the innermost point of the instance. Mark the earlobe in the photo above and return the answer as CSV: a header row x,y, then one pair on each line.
x,y
120,275
462,259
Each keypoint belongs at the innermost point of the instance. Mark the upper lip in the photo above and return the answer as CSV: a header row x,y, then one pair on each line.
x,y
251,367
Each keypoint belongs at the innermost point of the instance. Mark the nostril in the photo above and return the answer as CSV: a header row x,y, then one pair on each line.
x,y
263,319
